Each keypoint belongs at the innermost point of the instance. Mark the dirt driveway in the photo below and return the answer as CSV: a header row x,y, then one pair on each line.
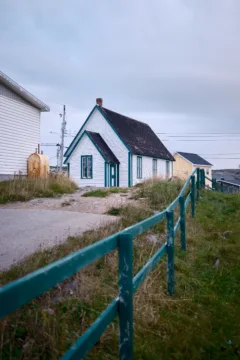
x,y
75,202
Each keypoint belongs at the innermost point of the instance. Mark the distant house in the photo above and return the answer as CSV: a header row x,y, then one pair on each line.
x,y
186,162
19,127
111,149
229,177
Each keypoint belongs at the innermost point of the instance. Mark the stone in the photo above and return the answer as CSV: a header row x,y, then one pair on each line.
x,y
49,311
57,300
226,234
217,264
69,287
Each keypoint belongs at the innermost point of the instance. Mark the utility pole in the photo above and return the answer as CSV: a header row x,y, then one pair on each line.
x,y
63,129
58,156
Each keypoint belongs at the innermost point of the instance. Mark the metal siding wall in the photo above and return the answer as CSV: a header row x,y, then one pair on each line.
x,y
86,147
97,123
20,134
4,91
147,170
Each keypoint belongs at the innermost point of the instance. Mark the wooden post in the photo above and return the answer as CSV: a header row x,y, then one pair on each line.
x,y
198,183
125,309
193,195
202,177
182,222
170,251
214,184
222,187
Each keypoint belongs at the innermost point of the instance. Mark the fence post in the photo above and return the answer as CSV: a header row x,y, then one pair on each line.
x,y
214,184
182,222
222,188
198,183
203,178
170,251
125,307
193,195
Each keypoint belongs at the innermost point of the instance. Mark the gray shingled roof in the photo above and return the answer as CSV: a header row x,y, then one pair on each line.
x,y
194,158
103,147
138,136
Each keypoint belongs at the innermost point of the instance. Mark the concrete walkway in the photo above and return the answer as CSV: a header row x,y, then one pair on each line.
x,y
23,231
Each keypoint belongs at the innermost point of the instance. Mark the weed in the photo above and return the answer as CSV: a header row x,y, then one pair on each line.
x,y
105,192
159,193
114,211
24,189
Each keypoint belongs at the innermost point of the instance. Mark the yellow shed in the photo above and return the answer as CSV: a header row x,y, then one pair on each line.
x,y
38,166
185,163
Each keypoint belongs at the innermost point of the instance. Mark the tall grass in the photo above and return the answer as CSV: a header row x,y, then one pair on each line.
x,y
159,193
201,321
23,189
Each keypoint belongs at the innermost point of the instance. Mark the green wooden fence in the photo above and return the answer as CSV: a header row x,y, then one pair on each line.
x,y
21,291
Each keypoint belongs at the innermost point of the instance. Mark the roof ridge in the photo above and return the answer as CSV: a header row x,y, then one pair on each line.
x,y
142,122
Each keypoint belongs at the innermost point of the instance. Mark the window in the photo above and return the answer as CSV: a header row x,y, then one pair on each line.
x,y
167,169
86,167
207,171
139,167
154,167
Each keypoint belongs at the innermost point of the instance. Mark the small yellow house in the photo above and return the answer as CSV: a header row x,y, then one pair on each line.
x,y
185,163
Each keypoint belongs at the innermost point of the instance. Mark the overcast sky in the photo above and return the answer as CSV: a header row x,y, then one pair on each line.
x,y
174,64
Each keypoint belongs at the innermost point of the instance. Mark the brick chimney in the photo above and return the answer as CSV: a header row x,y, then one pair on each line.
x,y
99,102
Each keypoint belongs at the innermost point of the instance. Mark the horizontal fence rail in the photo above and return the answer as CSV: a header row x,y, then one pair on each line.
x,y
21,291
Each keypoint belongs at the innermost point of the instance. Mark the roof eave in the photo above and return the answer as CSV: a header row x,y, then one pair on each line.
x,y
23,93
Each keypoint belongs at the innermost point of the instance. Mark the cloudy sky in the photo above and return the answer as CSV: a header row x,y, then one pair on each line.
x,y
174,64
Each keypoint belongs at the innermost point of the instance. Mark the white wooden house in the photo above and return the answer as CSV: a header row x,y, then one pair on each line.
x,y
111,149
19,127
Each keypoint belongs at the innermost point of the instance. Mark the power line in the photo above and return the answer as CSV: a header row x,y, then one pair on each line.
x,y
212,140
219,158
222,154
202,136
199,133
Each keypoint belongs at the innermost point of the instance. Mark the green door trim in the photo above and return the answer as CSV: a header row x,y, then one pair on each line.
x,y
112,166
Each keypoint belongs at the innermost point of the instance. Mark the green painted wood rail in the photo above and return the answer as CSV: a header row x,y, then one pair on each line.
x,y
222,186
21,291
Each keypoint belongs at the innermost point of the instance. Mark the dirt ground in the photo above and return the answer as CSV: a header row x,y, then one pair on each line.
x,y
76,202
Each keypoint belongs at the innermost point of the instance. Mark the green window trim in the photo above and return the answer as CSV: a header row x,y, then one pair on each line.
x,y
88,159
154,164
139,167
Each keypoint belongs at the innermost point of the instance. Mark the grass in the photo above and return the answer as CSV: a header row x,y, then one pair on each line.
x,y
158,193
201,321
103,193
23,189
114,211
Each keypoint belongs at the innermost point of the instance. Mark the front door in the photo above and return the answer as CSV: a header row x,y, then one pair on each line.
x,y
113,179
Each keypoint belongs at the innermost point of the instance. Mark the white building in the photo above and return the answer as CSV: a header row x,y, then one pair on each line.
x,y
19,127
111,149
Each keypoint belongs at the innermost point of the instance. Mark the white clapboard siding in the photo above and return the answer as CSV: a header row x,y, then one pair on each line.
x,y
19,132
86,147
147,169
97,123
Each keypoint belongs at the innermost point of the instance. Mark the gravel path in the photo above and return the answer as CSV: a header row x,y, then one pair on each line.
x,y
75,202
23,231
